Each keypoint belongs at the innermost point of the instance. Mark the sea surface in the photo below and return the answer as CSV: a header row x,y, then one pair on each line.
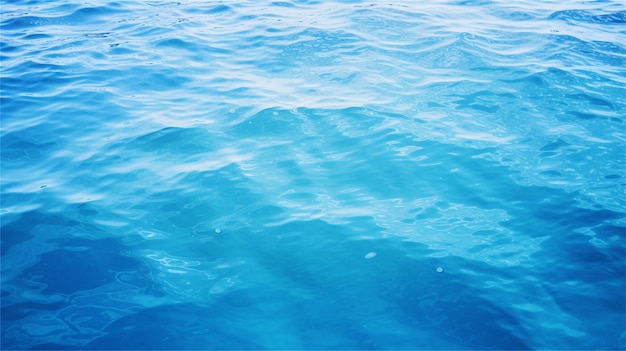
x,y
313,174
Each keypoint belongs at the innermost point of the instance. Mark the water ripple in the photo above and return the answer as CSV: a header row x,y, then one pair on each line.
x,y
312,174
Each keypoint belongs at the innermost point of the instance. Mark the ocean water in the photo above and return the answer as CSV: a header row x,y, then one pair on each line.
x,y
313,174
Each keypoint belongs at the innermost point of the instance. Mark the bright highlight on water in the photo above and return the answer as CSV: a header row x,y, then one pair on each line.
x,y
312,174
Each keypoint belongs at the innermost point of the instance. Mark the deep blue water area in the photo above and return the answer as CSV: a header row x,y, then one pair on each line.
x,y
313,174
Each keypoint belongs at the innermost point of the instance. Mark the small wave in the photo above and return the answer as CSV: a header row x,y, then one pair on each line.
x,y
312,174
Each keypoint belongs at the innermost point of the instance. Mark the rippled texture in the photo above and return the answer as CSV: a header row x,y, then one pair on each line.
x,y
313,175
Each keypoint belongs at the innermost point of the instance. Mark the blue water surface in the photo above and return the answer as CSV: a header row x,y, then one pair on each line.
x,y
313,174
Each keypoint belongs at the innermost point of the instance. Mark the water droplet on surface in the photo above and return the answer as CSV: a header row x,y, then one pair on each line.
x,y
439,269
275,113
370,255
218,230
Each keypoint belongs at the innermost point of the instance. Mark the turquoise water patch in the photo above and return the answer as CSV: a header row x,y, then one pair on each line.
x,y
313,175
